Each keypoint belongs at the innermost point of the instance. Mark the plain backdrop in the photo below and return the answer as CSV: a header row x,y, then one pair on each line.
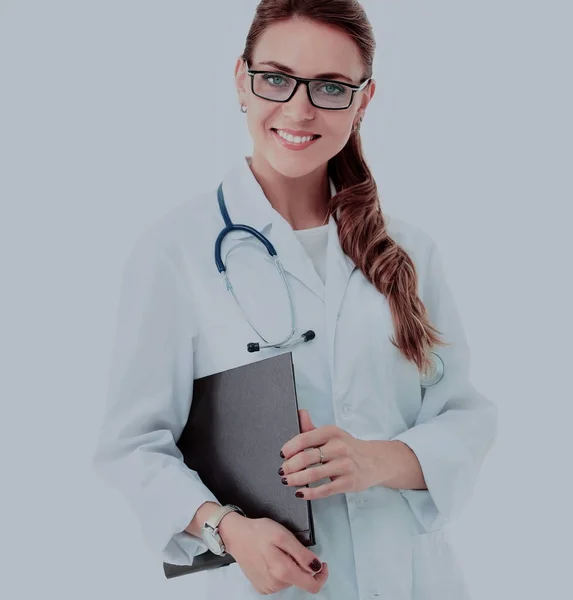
x,y
113,112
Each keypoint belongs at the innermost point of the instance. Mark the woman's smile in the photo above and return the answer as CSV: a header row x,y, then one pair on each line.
x,y
293,142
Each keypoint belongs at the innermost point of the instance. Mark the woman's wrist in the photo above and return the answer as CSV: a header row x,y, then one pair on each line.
x,y
228,526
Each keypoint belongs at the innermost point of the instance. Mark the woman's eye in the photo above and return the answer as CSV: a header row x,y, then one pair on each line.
x,y
333,90
270,76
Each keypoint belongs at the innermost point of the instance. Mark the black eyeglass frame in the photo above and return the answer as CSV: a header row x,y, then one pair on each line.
x,y
299,80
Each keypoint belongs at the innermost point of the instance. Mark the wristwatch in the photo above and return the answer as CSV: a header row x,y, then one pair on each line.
x,y
210,529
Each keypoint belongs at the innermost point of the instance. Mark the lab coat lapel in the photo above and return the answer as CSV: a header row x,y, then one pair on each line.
x,y
294,257
339,268
248,205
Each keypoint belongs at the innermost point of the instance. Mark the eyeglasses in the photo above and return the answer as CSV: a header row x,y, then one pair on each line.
x,y
322,93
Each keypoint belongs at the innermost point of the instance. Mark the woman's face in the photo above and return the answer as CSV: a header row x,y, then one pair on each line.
x,y
309,49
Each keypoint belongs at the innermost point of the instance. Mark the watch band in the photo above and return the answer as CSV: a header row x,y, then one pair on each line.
x,y
214,520
211,526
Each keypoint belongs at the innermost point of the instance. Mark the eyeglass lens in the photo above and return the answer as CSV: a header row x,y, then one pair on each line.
x,y
325,94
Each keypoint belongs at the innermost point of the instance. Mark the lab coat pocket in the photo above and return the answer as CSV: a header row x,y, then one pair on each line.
x,y
435,568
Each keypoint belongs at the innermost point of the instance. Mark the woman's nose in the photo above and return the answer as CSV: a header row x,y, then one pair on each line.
x,y
299,105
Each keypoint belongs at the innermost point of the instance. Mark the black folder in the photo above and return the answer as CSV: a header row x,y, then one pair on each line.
x,y
238,422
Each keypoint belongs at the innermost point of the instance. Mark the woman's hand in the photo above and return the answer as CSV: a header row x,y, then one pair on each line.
x,y
348,462
270,556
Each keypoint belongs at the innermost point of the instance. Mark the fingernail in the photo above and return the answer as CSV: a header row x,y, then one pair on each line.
x,y
281,472
284,480
316,565
282,455
299,494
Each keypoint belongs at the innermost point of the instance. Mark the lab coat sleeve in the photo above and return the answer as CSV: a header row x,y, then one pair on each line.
x,y
148,400
456,425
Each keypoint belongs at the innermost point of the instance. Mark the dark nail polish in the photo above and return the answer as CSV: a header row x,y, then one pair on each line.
x,y
281,472
282,455
284,480
315,565
299,494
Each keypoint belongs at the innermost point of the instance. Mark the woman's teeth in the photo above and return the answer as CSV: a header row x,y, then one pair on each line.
x,y
295,139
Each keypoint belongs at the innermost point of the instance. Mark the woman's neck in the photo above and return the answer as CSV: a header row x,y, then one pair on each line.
x,y
301,201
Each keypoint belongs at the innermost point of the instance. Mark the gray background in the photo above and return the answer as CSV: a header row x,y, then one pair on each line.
x,y
113,112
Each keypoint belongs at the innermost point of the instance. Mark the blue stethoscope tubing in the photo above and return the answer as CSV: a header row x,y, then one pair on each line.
x,y
230,226
433,377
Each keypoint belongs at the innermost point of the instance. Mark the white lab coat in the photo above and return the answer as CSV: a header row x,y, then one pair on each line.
x,y
176,322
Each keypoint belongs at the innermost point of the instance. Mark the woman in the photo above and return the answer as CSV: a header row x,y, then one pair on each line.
x,y
394,462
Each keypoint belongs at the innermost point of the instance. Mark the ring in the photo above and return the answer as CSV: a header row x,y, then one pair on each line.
x,y
321,455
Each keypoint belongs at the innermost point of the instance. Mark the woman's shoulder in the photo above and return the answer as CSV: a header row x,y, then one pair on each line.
x,y
415,240
181,229
424,252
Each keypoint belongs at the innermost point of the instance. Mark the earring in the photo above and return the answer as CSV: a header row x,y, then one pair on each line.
x,y
243,108
356,129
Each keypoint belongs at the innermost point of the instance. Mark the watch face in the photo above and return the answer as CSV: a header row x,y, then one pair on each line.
x,y
211,541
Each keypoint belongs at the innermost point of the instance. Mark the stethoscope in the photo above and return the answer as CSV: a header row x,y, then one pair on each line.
x,y
430,378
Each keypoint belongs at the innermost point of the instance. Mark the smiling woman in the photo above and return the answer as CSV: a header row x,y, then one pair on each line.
x,y
385,465
280,84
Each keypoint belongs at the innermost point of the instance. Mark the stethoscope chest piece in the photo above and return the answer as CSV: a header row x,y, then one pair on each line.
x,y
435,373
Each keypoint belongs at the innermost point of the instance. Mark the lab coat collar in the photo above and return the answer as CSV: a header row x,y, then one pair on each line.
x,y
245,200
247,204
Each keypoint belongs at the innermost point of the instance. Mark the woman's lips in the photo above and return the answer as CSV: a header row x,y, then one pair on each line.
x,y
293,145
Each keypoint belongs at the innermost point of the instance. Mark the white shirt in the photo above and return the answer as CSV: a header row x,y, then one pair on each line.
x,y
176,322
315,241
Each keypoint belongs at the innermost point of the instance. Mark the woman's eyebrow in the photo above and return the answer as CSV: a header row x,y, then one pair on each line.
x,y
289,71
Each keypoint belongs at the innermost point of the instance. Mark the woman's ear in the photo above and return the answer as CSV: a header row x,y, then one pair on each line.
x,y
241,80
367,95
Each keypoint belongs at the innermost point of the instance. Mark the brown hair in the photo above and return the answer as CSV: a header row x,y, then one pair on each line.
x,y
356,207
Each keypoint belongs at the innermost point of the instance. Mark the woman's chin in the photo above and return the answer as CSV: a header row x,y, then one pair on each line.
x,y
294,168
294,164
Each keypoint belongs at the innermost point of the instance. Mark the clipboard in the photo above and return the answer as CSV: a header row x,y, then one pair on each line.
x,y
238,421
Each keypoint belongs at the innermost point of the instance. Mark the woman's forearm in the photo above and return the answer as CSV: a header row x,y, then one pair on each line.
x,y
396,465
